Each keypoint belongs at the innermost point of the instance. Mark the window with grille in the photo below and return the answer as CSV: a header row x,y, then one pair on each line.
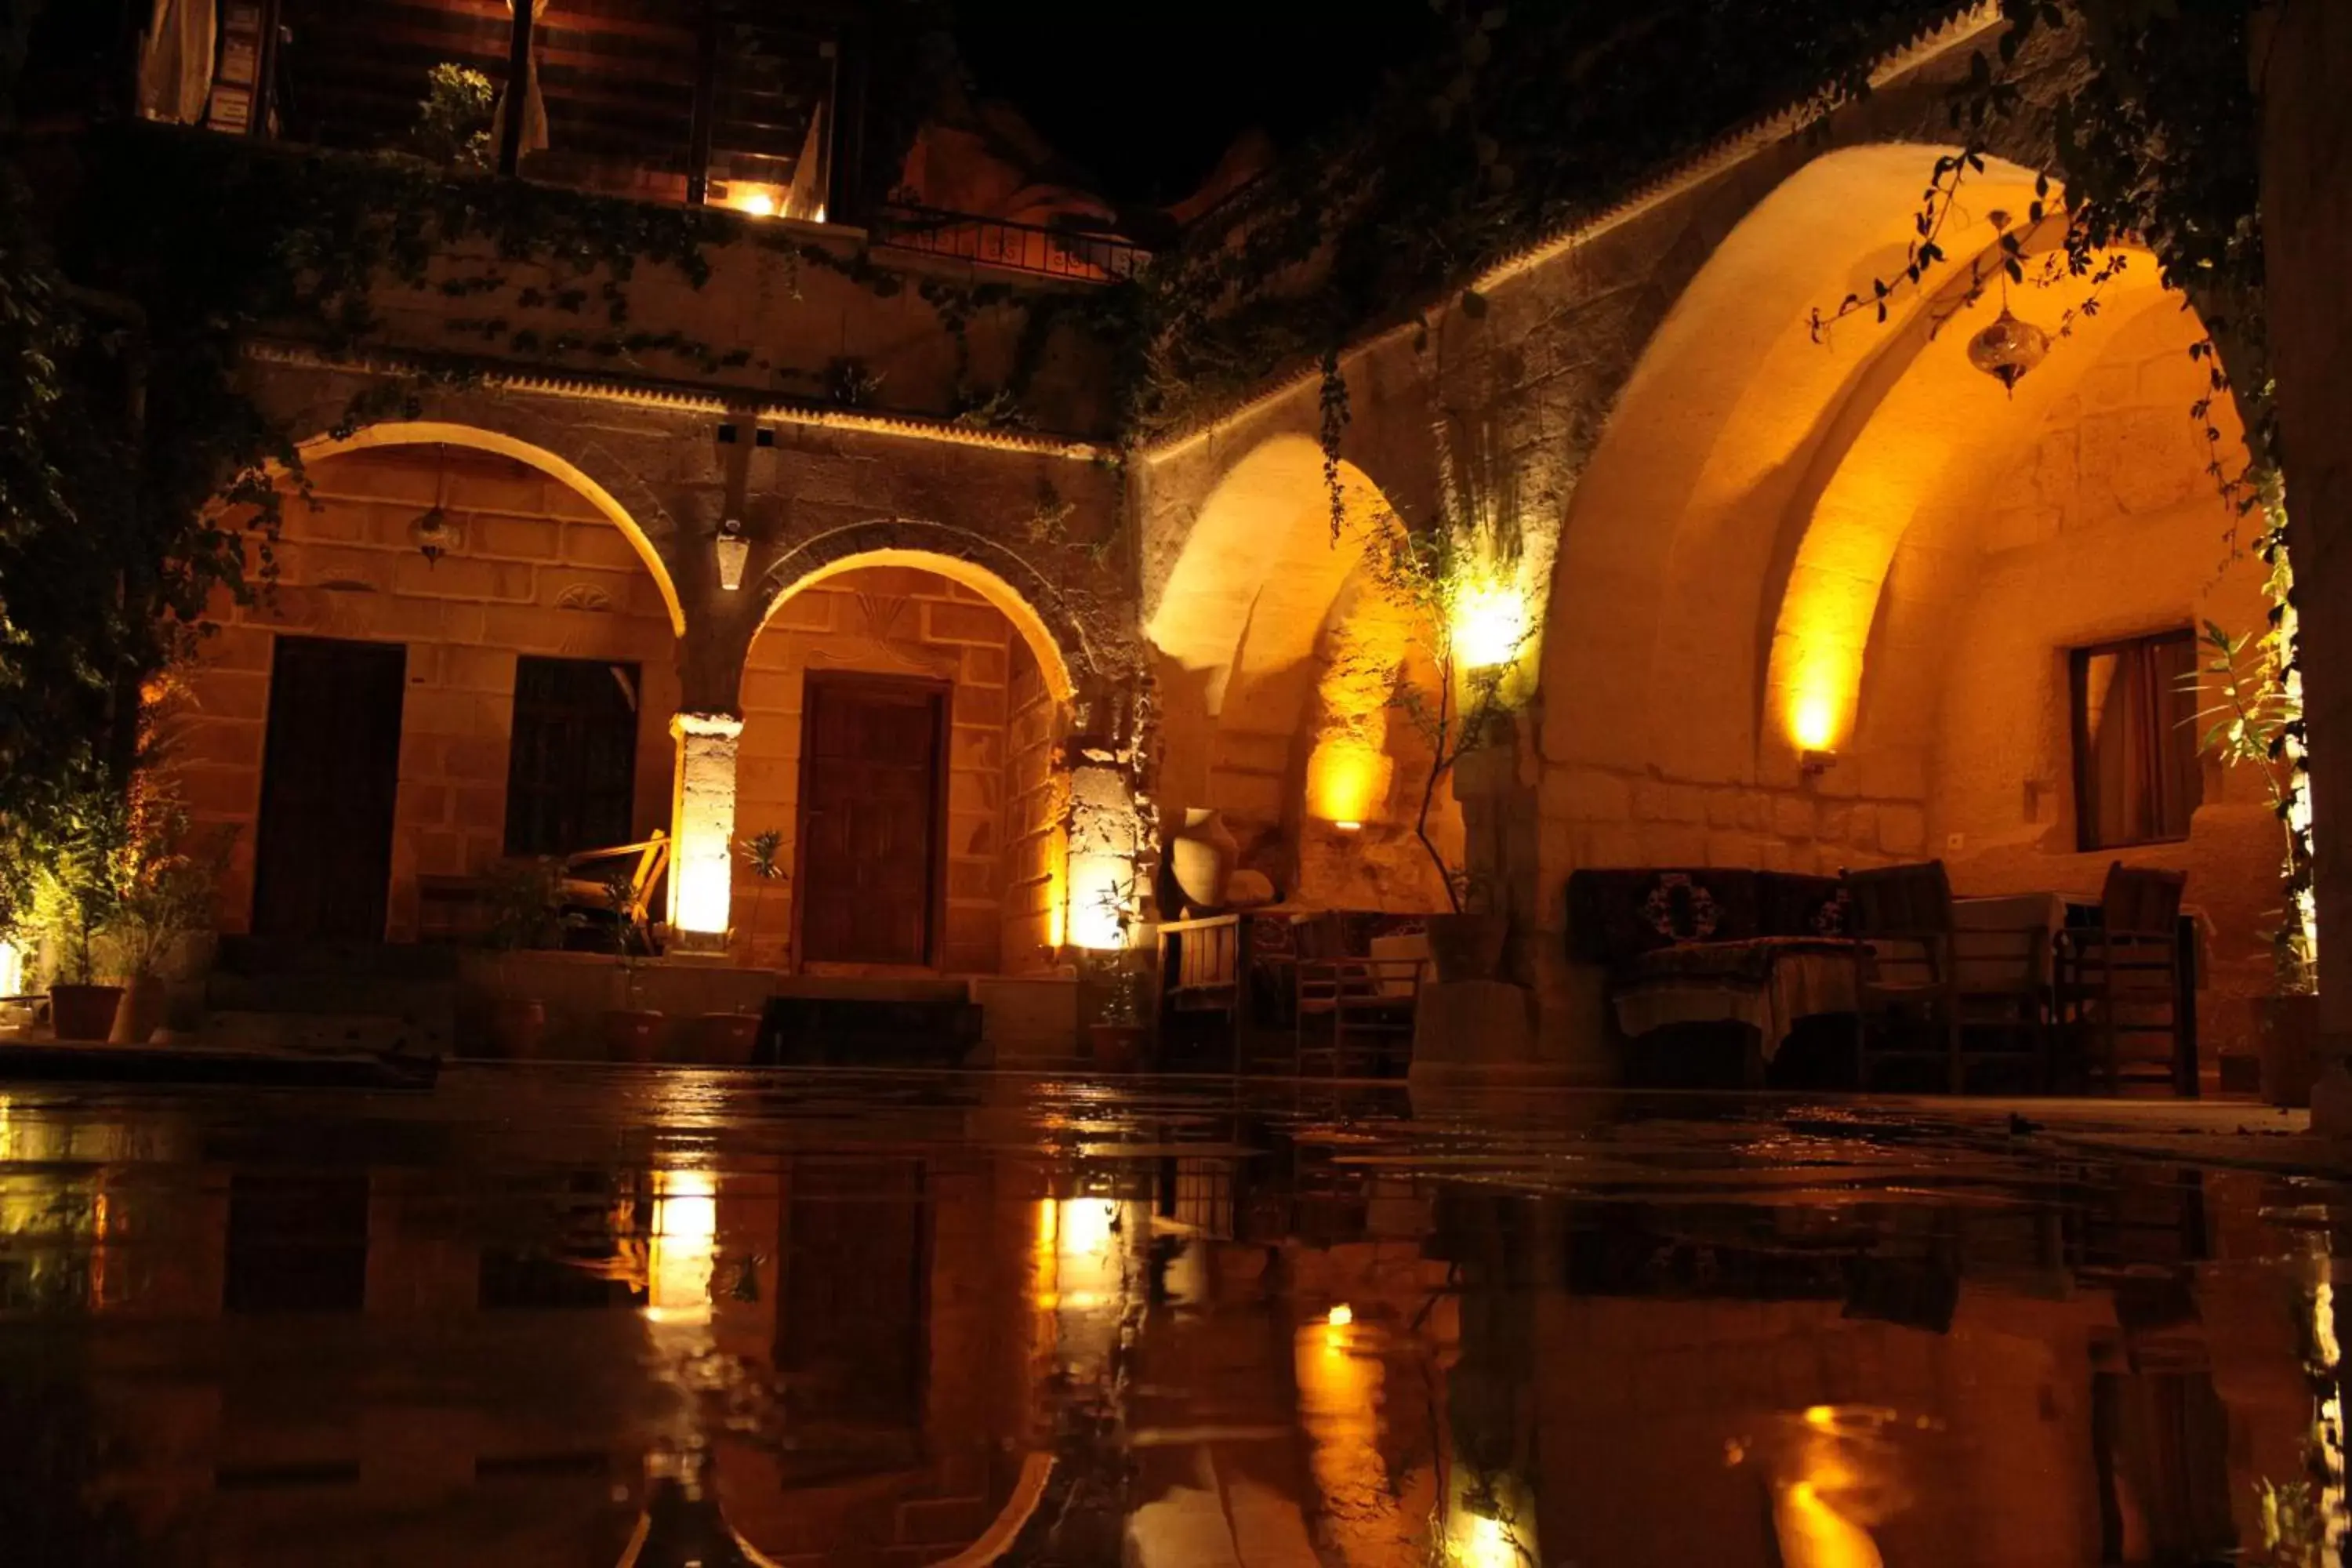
x,y
572,779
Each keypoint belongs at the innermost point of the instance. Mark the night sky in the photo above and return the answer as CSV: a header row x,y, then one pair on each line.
x,y
1146,94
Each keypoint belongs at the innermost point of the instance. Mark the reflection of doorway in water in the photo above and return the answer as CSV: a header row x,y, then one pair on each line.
x,y
2161,1436
851,1339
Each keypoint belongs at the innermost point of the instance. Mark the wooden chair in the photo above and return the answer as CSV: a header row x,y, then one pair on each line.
x,y
1925,987
2121,982
1345,1004
584,892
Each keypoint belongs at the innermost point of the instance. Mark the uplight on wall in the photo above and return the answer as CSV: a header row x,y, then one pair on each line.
x,y
1490,623
702,859
1100,886
753,201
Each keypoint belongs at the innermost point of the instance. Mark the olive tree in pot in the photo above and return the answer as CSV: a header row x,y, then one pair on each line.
x,y
632,1034
2253,725
1459,578
77,895
1118,1034
732,1038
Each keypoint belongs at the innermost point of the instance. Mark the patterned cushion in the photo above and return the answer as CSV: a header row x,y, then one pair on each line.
x,y
1616,916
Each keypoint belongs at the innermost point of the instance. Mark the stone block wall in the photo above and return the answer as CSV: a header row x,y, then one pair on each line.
x,y
890,620
1035,804
2110,530
536,570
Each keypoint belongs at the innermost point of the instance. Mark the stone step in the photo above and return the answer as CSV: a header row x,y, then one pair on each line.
x,y
322,993
326,1032
392,961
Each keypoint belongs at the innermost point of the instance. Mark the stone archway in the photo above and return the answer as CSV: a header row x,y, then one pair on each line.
x,y
1041,823
1816,602
507,442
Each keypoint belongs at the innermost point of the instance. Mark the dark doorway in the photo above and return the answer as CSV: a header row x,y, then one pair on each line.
x,y
573,773
329,775
872,793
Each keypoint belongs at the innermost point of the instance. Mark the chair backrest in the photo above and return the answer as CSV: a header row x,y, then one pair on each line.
x,y
1898,901
2141,900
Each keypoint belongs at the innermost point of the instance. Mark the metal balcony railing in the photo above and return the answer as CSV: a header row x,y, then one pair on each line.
x,y
1021,247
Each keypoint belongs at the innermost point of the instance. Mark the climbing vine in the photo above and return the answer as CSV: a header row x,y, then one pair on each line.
x,y
2157,142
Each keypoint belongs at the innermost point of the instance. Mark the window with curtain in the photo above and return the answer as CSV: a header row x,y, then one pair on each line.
x,y
2137,773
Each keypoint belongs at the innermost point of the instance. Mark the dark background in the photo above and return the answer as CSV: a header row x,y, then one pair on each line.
x,y
1146,95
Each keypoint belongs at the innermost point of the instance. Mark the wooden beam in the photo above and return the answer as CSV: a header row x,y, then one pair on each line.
x,y
518,88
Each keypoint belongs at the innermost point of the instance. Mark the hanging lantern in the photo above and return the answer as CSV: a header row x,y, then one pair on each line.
x,y
2006,350
733,551
433,534
433,531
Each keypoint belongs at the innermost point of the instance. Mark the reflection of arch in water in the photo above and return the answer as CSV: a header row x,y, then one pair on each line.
x,y
672,1508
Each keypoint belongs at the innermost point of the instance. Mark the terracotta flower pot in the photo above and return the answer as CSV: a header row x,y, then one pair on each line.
x,y
725,1039
84,1012
633,1035
1467,947
518,1026
2290,1049
1116,1048
140,1013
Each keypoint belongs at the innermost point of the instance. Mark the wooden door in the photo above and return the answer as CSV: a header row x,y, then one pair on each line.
x,y
328,774
873,793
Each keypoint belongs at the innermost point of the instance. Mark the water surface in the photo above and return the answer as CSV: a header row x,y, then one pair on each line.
x,y
602,1317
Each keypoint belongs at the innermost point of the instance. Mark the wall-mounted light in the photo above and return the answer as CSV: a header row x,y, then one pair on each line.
x,y
1816,762
1349,827
733,549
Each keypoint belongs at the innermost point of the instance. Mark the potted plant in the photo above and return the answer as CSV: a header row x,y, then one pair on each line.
x,y
1116,1036
730,1039
164,895
78,896
2254,726
632,1034
523,900
1458,578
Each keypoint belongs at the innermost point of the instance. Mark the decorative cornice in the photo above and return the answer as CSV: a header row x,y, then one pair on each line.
x,y
1961,24
670,396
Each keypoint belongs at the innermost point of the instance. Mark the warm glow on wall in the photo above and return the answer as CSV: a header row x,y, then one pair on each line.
x,y
702,863
1101,894
1490,623
1348,781
1818,674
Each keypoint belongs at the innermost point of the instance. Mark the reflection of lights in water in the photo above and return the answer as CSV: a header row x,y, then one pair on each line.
x,y
683,1240
2327,1429
1340,1375
1086,1226
1831,1481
